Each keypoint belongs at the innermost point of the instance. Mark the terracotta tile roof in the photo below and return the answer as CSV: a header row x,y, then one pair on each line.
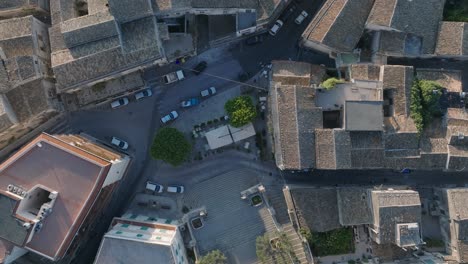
x,y
452,39
339,24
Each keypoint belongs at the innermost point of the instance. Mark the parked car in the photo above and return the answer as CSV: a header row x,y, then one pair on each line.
x,y
301,17
169,117
189,102
142,94
254,40
201,66
276,27
120,102
154,187
119,143
175,189
173,77
208,92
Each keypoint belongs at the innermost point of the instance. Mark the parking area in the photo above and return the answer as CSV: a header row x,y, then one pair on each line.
x,y
231,224
208,109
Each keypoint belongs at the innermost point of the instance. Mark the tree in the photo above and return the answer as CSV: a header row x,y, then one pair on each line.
x,y
330,83
277,250
213,257
241,110
170,145
424,106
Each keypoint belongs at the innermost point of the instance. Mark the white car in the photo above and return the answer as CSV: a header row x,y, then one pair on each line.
x,y
142,94
276,27
119,143
120,102
208,92
154,187
169,117
301,17
175,189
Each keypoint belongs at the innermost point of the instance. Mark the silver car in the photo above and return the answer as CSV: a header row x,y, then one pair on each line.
x,y
169,117
120,102
143,94
119,143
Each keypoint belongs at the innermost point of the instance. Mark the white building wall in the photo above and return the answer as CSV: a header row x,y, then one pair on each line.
x,y
116,171
14,255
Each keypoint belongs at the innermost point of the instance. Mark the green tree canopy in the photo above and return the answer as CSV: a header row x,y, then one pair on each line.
x,y
170,145
213,257
424,102
330,83
241,110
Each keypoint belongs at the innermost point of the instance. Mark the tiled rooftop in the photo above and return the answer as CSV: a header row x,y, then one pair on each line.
x,y
354,206
452,39
416,17
339,24
316,208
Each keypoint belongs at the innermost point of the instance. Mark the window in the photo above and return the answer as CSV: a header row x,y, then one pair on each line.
x,y
119,232
139,235
133,216
177,252
125,225
144,228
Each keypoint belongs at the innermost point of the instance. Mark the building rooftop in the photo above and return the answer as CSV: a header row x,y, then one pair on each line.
x,y
417,17
354,206
76,175
365,71
128,10
104,42
456,199
130,241
16,27
448,79
363,115
294,114
339,24
393,207
316,208
399,79
452,39
332,149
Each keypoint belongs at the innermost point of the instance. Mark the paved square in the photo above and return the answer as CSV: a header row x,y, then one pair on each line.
x,y
232,225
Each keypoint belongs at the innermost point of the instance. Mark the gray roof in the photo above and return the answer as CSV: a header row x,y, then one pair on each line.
x,y
452,39
4,4
456,199
396,43
16,27
316,208
128,10
89,28
354,206
28,99
252,4
401,140
417,17
365,71
339,24
294,119
399,78
5,121
11,228
333,149
394,207
114,250
88,48
363,115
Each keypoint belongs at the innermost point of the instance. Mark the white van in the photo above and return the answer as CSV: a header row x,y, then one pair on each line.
x,y
276,27
154,187
175,189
